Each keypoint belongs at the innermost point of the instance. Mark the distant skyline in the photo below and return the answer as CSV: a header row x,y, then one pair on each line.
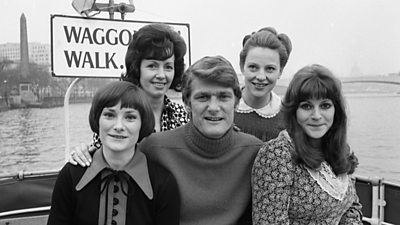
x,y
351,37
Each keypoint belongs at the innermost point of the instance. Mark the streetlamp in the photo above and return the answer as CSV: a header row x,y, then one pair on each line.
x,y
91,8
5,92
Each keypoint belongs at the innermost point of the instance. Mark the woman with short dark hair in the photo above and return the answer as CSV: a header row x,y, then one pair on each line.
x,y
122,186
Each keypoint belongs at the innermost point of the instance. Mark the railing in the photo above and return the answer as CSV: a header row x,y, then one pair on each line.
x,y
26,196
380,200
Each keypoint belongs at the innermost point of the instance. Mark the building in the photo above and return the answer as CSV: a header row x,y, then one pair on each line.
x,y
38,53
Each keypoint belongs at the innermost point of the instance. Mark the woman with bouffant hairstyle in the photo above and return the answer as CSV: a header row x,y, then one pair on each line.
x,y
155,41
154,61
262,60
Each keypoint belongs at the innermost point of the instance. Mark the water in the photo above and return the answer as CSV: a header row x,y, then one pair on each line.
x,y
33,139
374,135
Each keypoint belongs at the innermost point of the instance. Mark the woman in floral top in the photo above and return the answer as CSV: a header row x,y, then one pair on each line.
x,y
303,176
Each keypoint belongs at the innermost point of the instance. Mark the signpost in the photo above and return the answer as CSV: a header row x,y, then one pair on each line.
x,y
93,47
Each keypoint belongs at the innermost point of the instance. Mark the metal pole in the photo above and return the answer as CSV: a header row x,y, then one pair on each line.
x,y
66,113
111,9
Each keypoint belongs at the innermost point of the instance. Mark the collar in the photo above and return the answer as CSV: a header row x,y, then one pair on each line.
x,y
137,169
268,111
208,147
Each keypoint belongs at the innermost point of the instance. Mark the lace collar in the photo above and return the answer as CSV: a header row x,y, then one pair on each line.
x,y
137,169
268,111
335,186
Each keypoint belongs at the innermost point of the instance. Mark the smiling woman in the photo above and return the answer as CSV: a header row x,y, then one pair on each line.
x,y
156,76
262,60
154,62
315,116
112,122
116,115
105,190
304,175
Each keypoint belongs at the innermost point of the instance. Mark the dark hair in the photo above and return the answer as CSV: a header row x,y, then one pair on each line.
x,y
318,82
213,69
267,38
130,96
155,41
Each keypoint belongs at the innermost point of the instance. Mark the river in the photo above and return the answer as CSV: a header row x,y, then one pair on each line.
x,y
33,139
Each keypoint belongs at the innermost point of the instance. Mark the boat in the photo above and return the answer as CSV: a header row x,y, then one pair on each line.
x,y
23,97
26,195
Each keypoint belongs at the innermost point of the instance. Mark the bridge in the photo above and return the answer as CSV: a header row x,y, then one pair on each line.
x,y
371,81
391,85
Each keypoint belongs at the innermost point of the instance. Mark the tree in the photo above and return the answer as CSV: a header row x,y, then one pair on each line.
x,y
4,63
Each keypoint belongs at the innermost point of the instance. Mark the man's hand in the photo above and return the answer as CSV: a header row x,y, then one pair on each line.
x,y
81,155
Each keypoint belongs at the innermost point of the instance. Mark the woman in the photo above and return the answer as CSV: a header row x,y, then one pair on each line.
x,y
303,176
155,62
122,186
262,60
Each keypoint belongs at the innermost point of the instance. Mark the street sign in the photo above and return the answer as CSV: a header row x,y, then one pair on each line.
x,y
93,47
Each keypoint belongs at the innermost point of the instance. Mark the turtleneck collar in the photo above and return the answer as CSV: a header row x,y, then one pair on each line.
x,y
208,147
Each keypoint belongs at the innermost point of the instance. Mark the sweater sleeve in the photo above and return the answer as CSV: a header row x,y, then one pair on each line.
x,y
353,215
272,178
61,212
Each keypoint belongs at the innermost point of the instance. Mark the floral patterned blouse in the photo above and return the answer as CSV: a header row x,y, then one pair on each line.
x,y
285,192
174,115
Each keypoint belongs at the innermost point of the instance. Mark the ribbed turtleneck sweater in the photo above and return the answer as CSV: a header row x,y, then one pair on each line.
x,y
213,175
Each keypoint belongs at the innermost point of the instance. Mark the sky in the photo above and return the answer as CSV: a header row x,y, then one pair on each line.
x,y
351,37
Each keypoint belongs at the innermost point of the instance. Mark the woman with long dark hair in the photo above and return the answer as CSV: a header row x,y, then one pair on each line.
x,y
303,176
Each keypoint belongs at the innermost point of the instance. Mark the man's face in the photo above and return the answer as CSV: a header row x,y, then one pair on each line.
x,y
212,107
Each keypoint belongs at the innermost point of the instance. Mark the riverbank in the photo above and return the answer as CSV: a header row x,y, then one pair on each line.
x,y
46,102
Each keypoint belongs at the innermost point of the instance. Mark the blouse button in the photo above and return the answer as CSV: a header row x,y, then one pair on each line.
x,y
116,188
114,212
115,201
113,222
